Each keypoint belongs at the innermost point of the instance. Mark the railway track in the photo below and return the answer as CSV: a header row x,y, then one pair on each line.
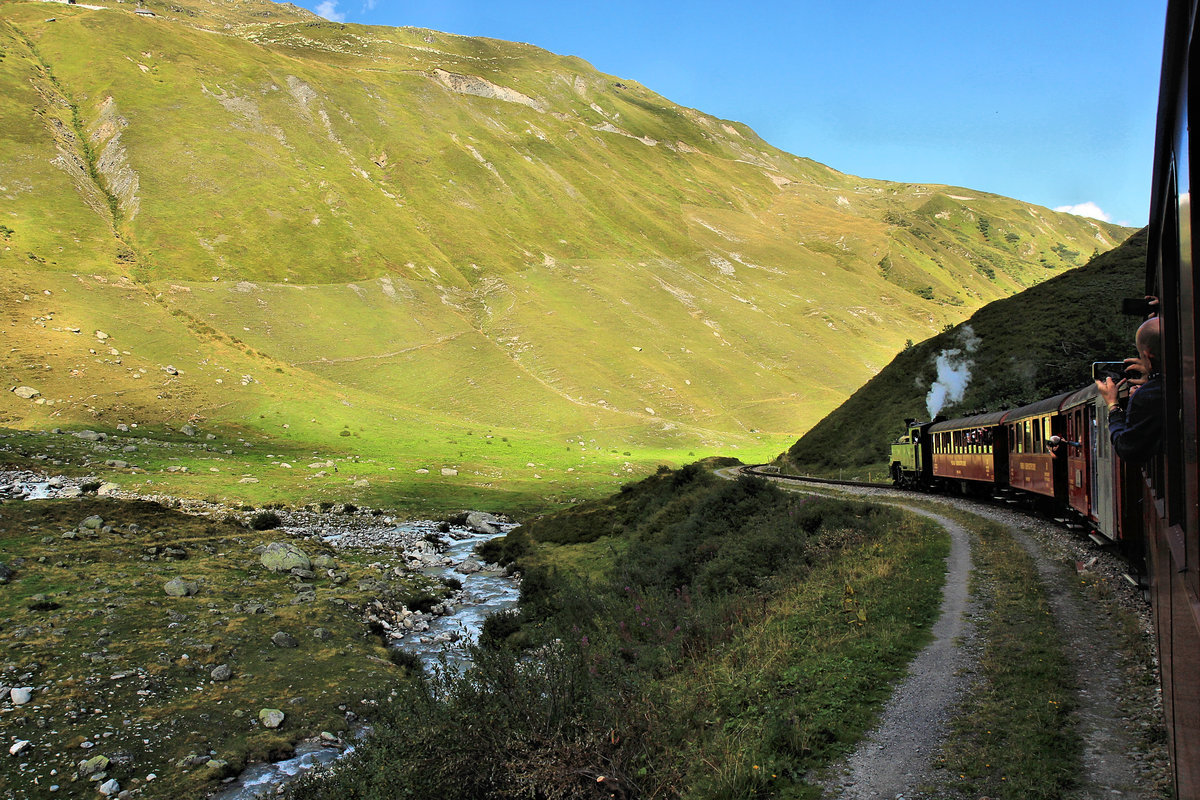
x,y
758,471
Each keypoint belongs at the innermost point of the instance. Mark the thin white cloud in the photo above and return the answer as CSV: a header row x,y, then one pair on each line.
x,y
328,10
369,5
1088,209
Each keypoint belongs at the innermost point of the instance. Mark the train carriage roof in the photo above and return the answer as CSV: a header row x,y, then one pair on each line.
x,y
1047,406
978,421
1085,395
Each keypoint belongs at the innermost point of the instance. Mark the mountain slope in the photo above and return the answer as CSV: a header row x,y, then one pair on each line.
x,y
1020,349
453,231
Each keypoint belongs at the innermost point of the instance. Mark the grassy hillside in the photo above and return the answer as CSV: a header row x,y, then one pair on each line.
x,y
426,239
1035,345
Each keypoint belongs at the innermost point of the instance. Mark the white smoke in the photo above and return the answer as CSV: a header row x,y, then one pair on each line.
x,y
953,372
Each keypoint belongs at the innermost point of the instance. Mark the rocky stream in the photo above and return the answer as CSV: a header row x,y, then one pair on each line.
x,y
438,636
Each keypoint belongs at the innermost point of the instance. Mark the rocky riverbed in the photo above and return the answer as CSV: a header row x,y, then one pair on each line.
x,y
155,649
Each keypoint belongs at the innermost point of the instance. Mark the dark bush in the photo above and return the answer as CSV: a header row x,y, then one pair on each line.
x,y
406,660
422,601
265,521
505,550
498,627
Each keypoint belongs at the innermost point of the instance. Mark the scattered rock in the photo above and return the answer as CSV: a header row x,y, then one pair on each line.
x,y
110,787
218,765
90,436
93,522
93,765
178,587
271,717
26,392
19,746
20,695
448,472
222,673
284,557
284,639
322,633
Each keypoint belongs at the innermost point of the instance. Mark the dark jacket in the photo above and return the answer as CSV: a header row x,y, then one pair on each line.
x,y
1136,431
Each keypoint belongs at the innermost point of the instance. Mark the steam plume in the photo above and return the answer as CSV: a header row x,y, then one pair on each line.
x,y
953,372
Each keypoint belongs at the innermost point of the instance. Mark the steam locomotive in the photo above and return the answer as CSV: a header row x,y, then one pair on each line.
x,y
1153,509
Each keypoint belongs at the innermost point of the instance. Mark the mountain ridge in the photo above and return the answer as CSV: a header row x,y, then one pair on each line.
x,y
432,222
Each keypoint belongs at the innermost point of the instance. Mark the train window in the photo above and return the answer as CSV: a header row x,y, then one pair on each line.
x,y
1037,436
1027,435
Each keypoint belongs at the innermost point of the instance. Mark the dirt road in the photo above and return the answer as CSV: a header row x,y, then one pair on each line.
x,y
898,759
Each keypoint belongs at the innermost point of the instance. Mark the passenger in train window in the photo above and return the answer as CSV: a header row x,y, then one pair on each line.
x,y
1055,442
1135,426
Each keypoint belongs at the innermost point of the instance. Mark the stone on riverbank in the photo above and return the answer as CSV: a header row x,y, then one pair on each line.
x,y
483,522
271,717
284,557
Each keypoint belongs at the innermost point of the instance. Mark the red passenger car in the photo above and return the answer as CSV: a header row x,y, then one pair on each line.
x,y
1031,465
966,449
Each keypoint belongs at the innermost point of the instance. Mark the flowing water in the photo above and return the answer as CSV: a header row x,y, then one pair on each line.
x,y
485,593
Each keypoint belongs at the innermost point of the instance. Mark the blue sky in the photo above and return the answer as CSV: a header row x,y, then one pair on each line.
x,y
1047,101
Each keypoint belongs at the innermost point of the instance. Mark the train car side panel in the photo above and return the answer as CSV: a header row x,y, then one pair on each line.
x,y
1171,500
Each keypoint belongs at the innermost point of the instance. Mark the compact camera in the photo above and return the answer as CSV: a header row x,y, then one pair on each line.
x,y
1110,369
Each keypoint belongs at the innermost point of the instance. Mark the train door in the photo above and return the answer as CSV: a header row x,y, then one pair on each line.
x,y
1104,472
1078,460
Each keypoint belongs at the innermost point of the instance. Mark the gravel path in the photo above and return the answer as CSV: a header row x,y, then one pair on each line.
x,y
1119,708
898,754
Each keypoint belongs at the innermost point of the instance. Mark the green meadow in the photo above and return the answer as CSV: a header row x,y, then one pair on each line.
x,y
426,251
